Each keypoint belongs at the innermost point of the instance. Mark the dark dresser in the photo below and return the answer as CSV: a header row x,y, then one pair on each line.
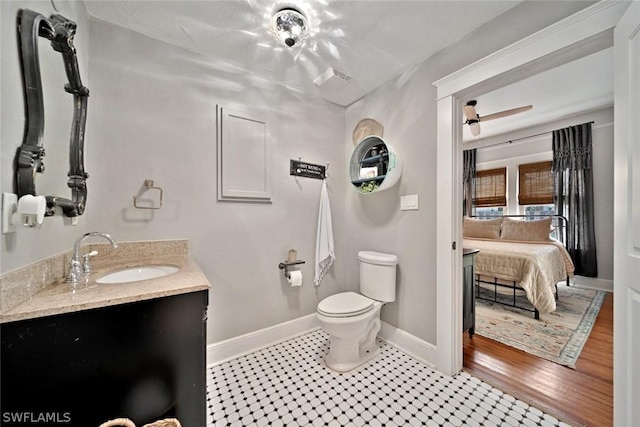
x,y
469,297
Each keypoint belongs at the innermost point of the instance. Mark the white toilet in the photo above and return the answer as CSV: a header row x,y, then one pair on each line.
x,y
353,320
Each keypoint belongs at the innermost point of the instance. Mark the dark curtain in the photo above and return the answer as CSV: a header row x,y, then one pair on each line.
x,y
469,167
573,186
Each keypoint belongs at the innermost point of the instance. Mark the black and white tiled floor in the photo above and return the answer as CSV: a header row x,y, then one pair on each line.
x,y
288,384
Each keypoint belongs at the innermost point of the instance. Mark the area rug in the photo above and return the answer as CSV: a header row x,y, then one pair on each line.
x,y
558,336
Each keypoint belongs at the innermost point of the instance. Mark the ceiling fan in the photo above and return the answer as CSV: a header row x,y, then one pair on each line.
x,y
473,119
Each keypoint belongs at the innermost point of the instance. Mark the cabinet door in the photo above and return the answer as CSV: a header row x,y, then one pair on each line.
x,y
144,361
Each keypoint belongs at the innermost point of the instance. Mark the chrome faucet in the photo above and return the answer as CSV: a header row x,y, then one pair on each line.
x,y
78,271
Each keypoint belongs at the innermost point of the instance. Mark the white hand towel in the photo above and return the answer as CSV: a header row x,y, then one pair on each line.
x,y
324,239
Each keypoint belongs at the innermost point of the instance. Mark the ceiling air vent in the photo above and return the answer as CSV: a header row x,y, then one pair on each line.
x,y
332,79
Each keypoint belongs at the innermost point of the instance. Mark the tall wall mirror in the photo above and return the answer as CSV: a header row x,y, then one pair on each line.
x,y
45,40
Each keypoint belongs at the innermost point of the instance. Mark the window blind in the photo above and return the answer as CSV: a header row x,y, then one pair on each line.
x,y
535,184
491,188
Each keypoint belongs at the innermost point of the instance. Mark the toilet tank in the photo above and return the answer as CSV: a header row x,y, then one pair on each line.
x,y
378,275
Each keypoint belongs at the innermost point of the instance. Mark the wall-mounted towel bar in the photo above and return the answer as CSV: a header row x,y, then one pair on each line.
x,y
148,184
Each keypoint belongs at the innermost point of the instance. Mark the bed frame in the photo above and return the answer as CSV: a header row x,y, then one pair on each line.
x,y
560,222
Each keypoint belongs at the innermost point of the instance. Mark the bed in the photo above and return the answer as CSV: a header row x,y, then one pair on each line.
x,y
518,257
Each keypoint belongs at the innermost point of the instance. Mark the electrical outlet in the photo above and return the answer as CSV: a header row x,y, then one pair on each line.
x,y
409,203
9,208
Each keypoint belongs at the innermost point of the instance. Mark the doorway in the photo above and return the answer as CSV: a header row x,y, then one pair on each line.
x,y
584,33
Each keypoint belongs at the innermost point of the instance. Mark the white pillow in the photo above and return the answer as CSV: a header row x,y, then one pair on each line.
x,y
533,231
481,228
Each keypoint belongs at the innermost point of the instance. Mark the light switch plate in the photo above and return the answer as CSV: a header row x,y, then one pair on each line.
x,y
409,202
9,207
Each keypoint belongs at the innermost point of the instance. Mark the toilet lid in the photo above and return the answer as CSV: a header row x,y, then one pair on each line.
x,y
345,304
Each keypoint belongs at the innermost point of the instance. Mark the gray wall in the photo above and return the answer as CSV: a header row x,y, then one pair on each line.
x,y
152,116
406,106
155,118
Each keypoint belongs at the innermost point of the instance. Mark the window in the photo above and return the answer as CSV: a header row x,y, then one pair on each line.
x,y
535,184
491,212
539,210
491,188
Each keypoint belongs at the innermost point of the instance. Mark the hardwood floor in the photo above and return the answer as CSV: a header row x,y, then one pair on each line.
x,y
580,397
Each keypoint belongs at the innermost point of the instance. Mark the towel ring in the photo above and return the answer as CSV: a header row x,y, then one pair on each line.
x,y
149,184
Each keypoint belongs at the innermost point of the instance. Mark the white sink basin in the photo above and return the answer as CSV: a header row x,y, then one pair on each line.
x,y
135,274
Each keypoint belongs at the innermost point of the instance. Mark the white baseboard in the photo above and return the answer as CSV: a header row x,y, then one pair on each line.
x,y
235,347
593,283
415,347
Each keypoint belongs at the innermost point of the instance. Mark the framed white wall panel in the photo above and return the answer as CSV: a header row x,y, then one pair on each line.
x,y
244,156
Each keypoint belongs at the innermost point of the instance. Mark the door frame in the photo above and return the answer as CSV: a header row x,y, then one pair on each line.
x,y
626,261
578,35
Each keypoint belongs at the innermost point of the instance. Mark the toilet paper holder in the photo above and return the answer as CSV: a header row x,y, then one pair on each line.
x,y
285,265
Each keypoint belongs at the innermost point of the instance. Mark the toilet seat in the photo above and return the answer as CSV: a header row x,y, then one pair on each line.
x,y
345,304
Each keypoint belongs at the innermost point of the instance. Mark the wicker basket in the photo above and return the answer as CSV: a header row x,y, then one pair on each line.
x,y
118,422
125,422
169,422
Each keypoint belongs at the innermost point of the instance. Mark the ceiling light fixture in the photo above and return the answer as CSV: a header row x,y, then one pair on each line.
x,y
290,26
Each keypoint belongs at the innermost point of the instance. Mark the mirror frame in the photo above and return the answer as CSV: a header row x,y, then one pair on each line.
x,y
60,31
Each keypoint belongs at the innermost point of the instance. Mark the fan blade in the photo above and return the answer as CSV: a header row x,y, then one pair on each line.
x,y
505,113
470,112
474,127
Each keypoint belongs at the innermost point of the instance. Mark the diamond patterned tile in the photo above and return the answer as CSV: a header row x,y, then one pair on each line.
x,y
288,384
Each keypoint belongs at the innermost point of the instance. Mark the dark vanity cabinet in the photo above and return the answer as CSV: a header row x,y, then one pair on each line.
x,y
469,297
143,360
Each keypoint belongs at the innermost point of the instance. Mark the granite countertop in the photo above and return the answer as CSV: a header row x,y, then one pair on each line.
x,y
60,297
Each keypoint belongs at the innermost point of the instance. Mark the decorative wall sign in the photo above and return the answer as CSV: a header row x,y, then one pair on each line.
x,y
308,170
